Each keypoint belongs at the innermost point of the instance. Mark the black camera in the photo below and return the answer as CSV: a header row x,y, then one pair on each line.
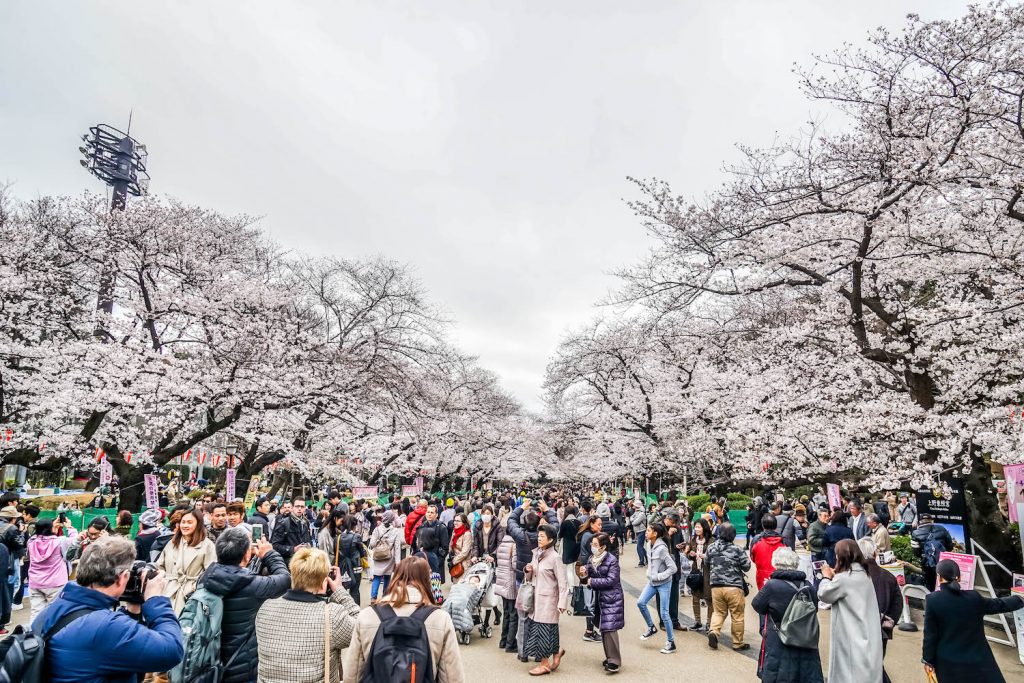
x,y
141,573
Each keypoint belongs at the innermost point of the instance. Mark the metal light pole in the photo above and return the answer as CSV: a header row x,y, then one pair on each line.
x,y
118,160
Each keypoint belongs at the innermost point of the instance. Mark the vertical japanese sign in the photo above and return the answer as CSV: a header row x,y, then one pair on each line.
x,y
1014,490
229,484
152,495
835,497
419,485
106,473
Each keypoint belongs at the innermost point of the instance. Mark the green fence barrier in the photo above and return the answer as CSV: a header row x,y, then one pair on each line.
x,y
80,519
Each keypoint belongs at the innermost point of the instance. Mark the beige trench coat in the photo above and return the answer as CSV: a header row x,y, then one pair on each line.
x,y
184,565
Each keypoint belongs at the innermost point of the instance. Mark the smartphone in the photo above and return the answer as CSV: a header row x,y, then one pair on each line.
x,y
333,573
816,567
257,533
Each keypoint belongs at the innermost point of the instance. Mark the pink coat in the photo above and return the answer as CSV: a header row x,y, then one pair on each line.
x,y
47,568
550,587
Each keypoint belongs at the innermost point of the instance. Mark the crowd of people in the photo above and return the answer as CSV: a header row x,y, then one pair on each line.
x,y
523,562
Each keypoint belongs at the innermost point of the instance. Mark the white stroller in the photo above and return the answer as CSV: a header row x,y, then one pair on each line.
x,y
469,599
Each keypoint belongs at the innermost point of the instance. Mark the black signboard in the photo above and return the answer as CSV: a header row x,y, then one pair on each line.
x,y
949,512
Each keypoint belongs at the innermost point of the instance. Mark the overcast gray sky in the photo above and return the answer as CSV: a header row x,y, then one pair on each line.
x,y
484,143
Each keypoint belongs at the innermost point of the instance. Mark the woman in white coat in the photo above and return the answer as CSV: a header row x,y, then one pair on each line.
x,y
855,654
385,550
185,559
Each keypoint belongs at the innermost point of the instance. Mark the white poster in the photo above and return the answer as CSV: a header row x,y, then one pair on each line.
x,y
152,495
229,485
106,472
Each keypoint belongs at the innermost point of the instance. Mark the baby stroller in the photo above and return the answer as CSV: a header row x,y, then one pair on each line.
x,y
469,599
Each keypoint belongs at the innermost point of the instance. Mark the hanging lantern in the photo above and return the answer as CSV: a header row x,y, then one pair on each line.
x,y
100,454
128,457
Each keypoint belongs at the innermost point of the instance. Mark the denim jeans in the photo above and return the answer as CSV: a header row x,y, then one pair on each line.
x,y
379,582
662,592
641,551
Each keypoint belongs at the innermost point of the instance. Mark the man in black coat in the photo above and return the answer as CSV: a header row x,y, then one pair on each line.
x,y
955,647
432,539
292,532
259,517
243,592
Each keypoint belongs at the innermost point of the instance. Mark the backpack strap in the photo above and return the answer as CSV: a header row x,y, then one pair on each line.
x,y
422,613
384,611
65,620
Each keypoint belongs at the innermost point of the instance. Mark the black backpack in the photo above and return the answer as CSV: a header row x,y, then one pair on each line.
x,y
22,652
400,652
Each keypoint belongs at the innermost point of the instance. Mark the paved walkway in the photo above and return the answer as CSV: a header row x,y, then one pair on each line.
x,y
642,661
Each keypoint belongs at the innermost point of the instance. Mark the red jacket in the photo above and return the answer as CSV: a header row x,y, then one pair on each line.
x,y
412,523
761,554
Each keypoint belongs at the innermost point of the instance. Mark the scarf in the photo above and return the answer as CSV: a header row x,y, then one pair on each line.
x,y
597,558
298,519
456,535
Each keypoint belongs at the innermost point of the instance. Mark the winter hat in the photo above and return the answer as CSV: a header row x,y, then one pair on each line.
x,y
449,503
342,507
149,518
9,512
389,518
603,511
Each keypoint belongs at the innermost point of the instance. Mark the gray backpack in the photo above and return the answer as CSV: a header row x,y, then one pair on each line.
x,y
799,626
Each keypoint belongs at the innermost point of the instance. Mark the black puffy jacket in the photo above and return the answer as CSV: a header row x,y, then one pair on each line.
x,y
244,593
526,539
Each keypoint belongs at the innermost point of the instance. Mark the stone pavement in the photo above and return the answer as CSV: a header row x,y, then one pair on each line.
x,y
694,659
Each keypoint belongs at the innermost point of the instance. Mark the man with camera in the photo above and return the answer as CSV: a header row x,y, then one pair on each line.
x,y
243,592
89,640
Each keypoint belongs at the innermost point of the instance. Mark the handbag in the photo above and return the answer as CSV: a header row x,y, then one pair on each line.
x,y
695,582
583,601
524,601
456,570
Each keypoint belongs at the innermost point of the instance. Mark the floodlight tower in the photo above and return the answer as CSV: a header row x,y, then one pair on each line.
x,y
118,160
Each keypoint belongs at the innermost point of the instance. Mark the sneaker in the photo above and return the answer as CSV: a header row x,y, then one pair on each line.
x,y
3,631
669,648
676,626
611,668
712,640
512,648
742,648
17,607
650,632
591,637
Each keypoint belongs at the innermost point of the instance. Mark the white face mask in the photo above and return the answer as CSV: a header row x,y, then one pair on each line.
x,y
487,518
595,548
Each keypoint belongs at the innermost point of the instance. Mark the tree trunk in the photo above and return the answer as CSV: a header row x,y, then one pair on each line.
x,y
277,483
987,525
133,493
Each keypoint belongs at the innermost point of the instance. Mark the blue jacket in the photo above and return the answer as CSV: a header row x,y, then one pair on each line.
x,y
109,646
